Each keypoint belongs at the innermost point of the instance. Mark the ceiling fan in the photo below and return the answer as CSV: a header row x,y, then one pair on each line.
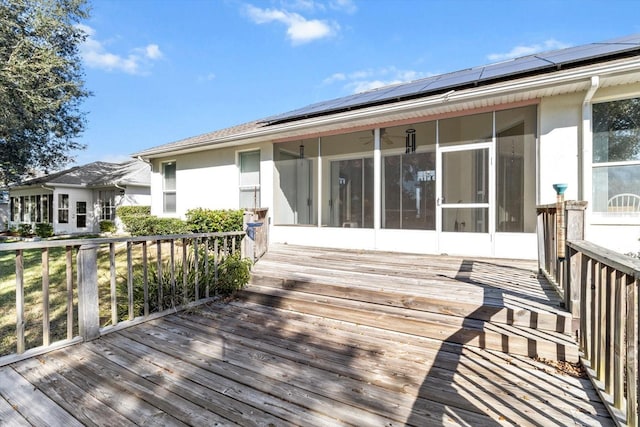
x,y
384,137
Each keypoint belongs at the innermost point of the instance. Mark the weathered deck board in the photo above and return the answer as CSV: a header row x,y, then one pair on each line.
x,y
242,363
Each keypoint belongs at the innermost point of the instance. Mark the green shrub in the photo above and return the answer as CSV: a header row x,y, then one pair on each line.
x,y
131,216
25,230
123,211
138,221
214,221
44,230
233,274
107,226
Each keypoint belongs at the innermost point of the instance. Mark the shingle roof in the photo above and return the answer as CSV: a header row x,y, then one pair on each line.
x,y
134,172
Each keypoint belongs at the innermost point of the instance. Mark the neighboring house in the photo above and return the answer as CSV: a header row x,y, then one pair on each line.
x,y
454,163
77,199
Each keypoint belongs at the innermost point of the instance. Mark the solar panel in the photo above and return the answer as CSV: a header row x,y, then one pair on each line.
x,y
515,66
435,84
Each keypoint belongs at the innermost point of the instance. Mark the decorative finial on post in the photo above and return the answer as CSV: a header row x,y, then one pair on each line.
x,y
560,225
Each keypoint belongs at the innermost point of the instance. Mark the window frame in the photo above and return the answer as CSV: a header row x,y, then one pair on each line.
x,y
169,191
256,188
62,209
106,199
600,217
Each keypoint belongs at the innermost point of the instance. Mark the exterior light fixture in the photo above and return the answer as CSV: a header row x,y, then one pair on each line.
x,y
410,141
302,151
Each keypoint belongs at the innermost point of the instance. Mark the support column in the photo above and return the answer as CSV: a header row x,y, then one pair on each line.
x,y
88,311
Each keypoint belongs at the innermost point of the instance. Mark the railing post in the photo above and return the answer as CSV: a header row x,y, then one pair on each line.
x,y
574,220
632,347
88,312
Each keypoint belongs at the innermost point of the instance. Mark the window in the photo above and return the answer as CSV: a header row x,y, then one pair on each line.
x,y
409,191
47,207
169,187
249,180
351,203
515,170
294,192
15,209
63,208
81,214
616,156
106,200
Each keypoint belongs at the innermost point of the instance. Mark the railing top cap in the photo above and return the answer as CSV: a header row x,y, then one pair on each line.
x,y
106,240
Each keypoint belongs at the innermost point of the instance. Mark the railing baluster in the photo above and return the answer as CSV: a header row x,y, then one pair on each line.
x,y
586,307
632,359
215,264
185,279
160,284
130,280
196,296
69,273
20,347
602,318
206,266
145,278
46,339
172,266
618,340
609,316
112,283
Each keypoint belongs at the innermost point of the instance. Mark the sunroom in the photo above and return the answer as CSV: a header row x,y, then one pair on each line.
x,y
427,186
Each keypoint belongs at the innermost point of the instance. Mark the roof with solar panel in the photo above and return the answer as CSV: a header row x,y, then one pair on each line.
x,y
532,64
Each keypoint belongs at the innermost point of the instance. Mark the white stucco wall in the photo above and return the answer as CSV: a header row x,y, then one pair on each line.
x,y
559,119
4,216
210,179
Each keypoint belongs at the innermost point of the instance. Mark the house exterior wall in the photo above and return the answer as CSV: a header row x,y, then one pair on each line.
x,y
209,179
4,215
75,195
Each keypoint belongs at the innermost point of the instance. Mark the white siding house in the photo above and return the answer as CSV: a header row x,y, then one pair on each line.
x,y
448,164
75,200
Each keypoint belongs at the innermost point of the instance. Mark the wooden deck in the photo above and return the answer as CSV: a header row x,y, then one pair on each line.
x,y
324,338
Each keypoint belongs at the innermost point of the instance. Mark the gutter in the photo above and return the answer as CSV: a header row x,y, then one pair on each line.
x,y
587,142
526,84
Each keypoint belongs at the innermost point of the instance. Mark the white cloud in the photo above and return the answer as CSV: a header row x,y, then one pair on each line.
x,y
519,51
299,29
95,55
336,77
369,79
343,5
153,51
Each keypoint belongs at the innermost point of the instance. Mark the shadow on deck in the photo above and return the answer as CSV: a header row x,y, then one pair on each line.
x,y
328,338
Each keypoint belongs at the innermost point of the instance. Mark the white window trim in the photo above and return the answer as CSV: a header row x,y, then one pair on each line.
x,y
164,191
607,218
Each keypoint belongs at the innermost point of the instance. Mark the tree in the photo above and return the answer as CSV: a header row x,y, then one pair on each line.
x,y
41,84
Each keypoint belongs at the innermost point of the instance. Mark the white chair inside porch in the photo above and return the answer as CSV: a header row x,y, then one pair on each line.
x,y
624,202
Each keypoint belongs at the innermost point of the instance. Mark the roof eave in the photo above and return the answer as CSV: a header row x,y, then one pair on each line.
x,y
299,127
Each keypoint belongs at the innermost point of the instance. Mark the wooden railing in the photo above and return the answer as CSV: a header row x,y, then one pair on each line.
x,y
103,285
600,288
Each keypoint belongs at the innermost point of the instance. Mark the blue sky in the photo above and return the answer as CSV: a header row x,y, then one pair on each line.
x,y
164,70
